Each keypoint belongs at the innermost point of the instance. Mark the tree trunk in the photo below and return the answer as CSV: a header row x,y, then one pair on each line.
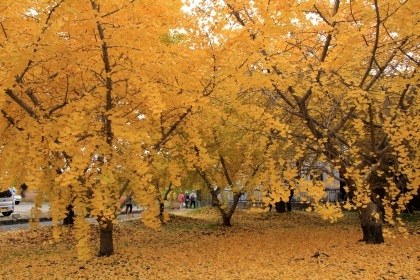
x,y
280,206
161,210
289,203
69,219
106,242
371,226
226,220
226,217
342,197
162,202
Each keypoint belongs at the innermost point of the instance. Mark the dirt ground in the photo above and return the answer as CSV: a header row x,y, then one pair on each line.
x,y
192,245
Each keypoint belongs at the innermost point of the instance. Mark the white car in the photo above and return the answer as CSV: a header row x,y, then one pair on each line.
x,y
7,202
18,197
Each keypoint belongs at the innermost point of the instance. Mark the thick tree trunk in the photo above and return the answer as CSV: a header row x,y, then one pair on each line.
x,y
280,206
371,226
226,220
227,216
106,247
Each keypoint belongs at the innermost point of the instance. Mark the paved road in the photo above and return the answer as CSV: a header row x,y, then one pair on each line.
x,y
20,217
24,208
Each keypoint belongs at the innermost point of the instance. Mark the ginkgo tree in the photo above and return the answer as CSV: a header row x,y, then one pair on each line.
x,y
232,142
241,141
90,93
348,73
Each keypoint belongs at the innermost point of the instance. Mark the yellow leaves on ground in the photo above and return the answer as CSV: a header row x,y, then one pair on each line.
x,y
264,246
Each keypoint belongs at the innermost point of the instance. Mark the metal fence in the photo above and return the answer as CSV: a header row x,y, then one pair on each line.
x,y
226,196
331,195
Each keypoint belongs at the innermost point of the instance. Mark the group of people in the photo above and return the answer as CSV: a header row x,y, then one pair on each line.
x,y
185,199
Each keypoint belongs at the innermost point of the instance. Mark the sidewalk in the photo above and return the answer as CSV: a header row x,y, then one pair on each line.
x,y
22,214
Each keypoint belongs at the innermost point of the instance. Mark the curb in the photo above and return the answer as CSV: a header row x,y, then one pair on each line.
x,y
12,221
21,221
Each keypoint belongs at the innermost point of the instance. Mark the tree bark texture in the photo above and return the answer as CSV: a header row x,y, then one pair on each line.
x,y
227,216
280,206
161,210
106,241
371,227
226,220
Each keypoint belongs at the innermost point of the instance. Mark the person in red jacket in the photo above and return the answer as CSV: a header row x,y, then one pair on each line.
x,y
181,200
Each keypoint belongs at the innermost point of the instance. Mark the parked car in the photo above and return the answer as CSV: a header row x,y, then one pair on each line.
x,y
18,197
7,202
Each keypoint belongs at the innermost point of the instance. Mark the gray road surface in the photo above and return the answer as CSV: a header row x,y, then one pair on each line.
x,y
20,217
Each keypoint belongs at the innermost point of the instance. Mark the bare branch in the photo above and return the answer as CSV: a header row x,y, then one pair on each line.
x,y
59,106
383,67
304,111
34,99
375,45
124,188
281,94
322,16
341,123
225,171
117,10
83,137
236,14
21,103
4,30
307,95
171,129
402,97
10,119
19,78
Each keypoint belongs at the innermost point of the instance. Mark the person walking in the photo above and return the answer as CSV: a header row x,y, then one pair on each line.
x,y
187,199
181,200
193,198
129,206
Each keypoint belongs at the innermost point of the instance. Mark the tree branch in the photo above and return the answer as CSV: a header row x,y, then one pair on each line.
x,y
341,123
34,99
171,129
59,106
21,103
375,45
108,79
4,30
383,67
225,171
10,119
236,14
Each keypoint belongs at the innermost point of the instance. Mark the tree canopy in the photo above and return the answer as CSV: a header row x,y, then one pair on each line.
x,y
100,97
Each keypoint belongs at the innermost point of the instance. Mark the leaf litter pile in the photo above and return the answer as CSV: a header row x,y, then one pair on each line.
x,y
192,245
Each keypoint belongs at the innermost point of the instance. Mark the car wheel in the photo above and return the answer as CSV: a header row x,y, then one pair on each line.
x,y
17,202
7,213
